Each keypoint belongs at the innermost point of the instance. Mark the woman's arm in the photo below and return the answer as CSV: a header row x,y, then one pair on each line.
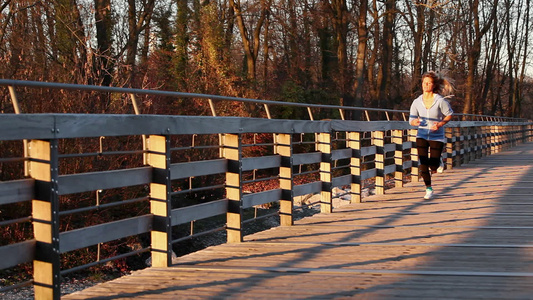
x,y
440,124
414,119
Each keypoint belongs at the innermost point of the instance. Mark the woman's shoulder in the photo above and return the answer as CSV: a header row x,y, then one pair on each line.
x,y
418,99
439,97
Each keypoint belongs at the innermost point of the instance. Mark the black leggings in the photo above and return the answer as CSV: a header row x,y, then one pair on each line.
x,y
433,161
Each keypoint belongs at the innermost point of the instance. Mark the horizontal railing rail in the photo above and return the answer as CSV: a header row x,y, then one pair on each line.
x,y
388,113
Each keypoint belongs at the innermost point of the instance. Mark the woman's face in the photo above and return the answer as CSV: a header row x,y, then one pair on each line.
x,y
427,84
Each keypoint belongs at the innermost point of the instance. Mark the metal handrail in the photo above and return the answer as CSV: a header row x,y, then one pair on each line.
x,y
93,88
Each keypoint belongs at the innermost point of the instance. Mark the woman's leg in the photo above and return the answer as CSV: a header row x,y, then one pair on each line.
x,y
435,152
423,149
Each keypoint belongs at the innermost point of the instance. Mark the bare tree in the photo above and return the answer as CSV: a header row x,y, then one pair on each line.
x,y
362,30
416,20
251,40
138,20
104,39
385,70
476,31
340,19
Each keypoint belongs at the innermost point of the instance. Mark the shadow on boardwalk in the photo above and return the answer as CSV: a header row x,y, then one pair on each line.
x,y
472,241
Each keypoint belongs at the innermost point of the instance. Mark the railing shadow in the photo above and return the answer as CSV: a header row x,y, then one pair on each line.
x,y
499,275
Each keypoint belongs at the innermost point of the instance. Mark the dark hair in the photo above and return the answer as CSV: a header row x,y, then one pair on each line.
x,y
441,84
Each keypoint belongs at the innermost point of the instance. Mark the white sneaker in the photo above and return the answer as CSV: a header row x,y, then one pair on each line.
x,y
440,169
429,194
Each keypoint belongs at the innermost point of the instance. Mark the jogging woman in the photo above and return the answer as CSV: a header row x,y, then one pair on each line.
x,y
430,112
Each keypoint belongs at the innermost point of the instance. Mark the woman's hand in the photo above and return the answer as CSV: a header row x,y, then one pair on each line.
x,y
415,122
437,125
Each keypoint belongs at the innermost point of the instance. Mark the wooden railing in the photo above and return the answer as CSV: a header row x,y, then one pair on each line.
x,y
345,154
56,166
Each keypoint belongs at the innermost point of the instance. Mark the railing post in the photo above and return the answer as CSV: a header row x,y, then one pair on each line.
x,y
43,167
497,139
459,151
415,172
448,133
232,148
285,150
397,139
324,146
160,205
16,108
485,140
479,141
525,133
137,111
354,142
492,139
379,142
465,132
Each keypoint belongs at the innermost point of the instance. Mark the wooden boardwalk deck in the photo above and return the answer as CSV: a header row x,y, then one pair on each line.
x,y
474,240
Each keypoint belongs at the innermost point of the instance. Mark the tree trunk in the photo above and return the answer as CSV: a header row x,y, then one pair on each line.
x,y
518,106
386,55
474,53
181,44
371,67
362,31
135,27
104,28
339,11
251,46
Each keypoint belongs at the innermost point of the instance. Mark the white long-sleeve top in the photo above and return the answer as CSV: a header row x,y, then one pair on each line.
x,y
429,116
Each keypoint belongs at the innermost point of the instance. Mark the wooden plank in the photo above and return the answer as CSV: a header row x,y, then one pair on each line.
x,y
307,188
77,125
389,169
43,168
261,162
407,145
342,180
325,146
16,191
158,157
389,147
47,126
93,181
306,158
250,200
198,168
370,150
379,141
353,141
284,148
199,211
361,126
341,154
367,174
27,126
232,151
15,254
256,125
88,236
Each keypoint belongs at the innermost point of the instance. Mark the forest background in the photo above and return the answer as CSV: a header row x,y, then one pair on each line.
x,y
366,53
342,52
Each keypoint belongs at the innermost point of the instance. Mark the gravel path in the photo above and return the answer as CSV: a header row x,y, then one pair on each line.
x,y
68,287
